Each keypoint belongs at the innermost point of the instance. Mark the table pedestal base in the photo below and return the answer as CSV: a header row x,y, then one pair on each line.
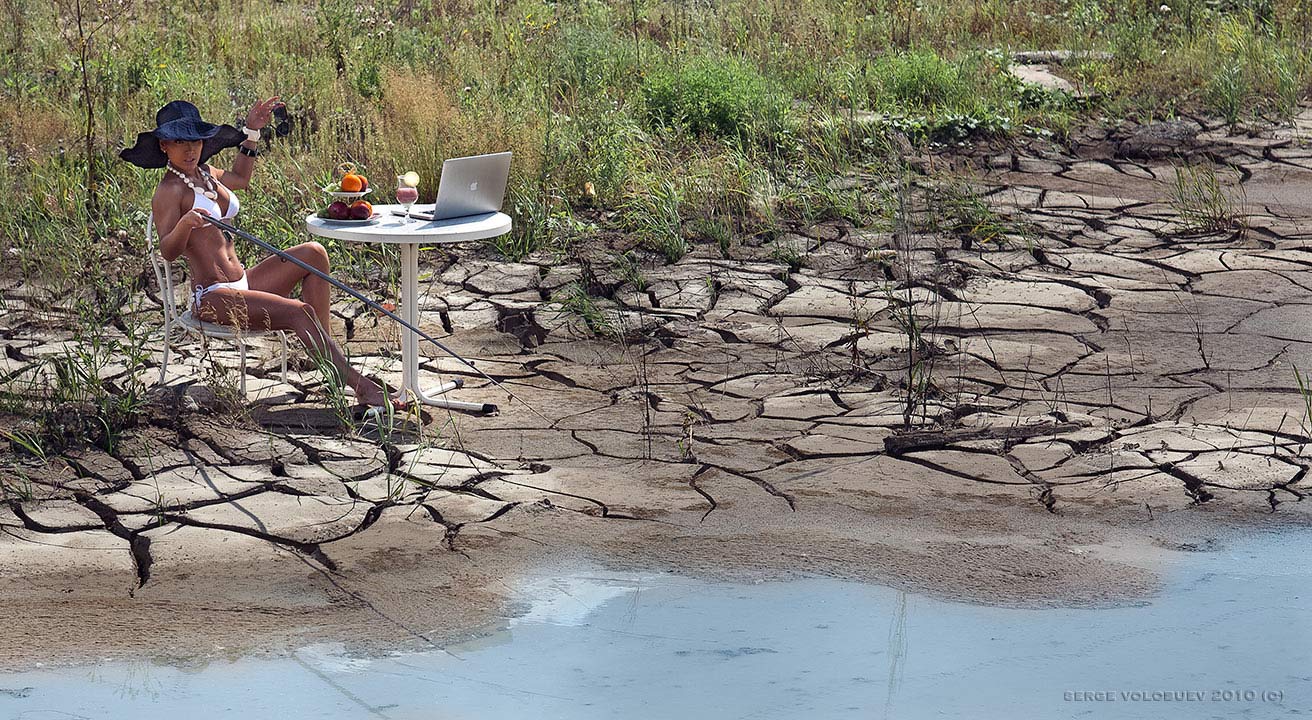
x,y
407,235
428,398
410,343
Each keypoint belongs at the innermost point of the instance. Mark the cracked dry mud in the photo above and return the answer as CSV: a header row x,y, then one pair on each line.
x,y
738,431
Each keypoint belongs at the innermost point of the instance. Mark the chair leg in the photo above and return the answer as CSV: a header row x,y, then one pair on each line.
x,y
204,351
283,337
164,366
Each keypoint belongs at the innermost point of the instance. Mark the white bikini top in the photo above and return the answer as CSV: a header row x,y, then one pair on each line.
x,y
212,206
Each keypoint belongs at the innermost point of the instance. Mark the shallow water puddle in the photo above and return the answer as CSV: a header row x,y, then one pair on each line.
x,y
1230,636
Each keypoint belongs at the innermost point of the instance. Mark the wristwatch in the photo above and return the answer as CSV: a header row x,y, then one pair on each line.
x,y
248,152
252,133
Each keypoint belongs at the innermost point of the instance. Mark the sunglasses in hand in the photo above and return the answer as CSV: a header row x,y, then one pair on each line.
x,y
283,126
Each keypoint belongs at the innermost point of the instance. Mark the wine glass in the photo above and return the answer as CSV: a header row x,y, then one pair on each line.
x,y
406,192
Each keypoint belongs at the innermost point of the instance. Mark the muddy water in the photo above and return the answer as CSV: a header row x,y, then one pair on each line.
x,y
1229,636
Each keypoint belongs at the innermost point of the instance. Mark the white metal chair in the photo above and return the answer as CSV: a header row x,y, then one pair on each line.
x,y
187,321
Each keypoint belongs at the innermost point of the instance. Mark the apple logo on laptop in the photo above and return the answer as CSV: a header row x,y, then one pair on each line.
x,y
473,187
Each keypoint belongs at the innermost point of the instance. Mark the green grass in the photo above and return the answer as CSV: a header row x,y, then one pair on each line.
x,y
573,301
656,219
600,101
1203,205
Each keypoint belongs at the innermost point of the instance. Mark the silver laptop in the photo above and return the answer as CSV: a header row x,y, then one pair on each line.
x,y
470,186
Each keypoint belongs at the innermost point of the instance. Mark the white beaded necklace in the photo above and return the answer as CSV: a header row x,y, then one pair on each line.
x,y
210,191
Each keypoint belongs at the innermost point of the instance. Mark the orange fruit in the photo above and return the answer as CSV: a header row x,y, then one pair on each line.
x,y
351,183
364,182
364,204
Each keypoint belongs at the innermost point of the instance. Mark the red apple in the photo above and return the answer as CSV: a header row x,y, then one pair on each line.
x,y
360,211
339,211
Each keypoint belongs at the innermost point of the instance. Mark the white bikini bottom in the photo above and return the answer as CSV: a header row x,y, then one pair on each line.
x,y
238,284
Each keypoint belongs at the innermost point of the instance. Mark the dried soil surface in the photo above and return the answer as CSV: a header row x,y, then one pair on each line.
x,y
736,431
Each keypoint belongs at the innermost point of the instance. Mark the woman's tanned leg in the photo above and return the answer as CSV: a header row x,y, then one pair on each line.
x,y
278,276
258,310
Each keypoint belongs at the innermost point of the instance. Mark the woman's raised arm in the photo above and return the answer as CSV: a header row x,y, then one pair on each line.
x,y
239,177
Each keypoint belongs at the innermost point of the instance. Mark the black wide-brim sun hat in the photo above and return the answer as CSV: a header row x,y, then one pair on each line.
x,y
180,120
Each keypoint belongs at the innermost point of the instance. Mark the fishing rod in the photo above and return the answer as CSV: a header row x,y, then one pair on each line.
x,y
375,306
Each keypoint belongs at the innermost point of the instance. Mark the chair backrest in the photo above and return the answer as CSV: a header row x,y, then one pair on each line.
x,y
163,272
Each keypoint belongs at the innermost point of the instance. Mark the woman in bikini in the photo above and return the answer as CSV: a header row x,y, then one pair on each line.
x,y
225,291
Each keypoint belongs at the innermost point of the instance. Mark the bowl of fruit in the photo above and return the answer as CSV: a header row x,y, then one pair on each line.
x,y
346,204
351,186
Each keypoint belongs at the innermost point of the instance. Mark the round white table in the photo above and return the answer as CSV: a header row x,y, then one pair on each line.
x,y
410,233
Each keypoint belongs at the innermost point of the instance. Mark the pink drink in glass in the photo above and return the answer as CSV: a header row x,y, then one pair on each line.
x,y
406,192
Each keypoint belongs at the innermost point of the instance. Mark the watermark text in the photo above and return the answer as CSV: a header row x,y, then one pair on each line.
x,y
1172,695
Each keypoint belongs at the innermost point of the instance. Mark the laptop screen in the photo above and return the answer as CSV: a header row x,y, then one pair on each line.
x,y
472,185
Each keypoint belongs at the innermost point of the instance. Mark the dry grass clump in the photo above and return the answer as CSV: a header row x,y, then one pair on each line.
x,y
422,121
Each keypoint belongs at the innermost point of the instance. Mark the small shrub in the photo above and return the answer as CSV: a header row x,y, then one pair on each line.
x,y
716,96
923,81
918,80
718,230
1252,73
1133,38
927,97
530,231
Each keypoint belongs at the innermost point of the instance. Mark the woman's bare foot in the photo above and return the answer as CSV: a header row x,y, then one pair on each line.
x,y
368,393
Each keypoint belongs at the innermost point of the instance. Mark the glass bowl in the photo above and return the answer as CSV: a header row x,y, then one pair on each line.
x,y
346,196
